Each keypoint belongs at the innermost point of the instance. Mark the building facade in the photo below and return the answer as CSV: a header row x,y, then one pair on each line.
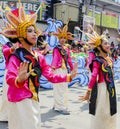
x,y
104,14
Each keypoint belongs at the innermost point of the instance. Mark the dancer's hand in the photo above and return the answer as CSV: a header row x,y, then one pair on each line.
x,y
85,97
15,46
22,72
46,49
75,70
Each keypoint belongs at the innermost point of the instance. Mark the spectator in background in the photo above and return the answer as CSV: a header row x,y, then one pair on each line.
x,y
112,46
76,47
114,54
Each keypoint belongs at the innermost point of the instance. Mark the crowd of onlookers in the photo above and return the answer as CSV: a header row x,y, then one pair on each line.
x,y
115,51
75,47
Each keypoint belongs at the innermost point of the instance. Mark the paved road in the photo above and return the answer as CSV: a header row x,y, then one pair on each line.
x,y
79,118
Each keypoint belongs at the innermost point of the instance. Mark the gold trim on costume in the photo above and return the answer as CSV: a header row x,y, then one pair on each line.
x,y
68,78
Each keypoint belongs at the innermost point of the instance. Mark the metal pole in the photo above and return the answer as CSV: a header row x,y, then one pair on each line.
x,y
101,23
80,17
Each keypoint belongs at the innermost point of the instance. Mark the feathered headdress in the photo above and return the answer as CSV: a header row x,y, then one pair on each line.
x,y
63,32
16,26
94,38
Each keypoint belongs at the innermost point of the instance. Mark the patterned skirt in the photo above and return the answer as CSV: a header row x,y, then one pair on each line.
x,y
102,118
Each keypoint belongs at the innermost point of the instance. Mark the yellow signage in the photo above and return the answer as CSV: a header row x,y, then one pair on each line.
x,y
109,19
105,19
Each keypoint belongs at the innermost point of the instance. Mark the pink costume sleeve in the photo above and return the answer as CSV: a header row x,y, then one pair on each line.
x,y
90,58
47,72
6,52
70,60
94,74
12,70
56,59
15,93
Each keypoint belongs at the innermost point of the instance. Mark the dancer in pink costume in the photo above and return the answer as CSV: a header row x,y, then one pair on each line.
x,y
101,93
7,49
61,63
25,67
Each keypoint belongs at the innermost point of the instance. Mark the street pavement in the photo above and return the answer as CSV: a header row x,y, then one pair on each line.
x,y
79,117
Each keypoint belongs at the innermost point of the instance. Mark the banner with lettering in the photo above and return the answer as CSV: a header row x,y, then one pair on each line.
x,y
30,7
109,19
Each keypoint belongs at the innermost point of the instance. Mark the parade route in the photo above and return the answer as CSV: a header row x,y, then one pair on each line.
x,y
79,117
